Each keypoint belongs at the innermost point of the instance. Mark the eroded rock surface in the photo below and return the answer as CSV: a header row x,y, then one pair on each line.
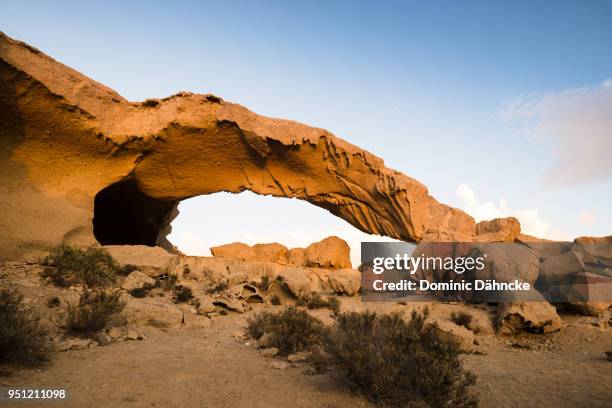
x,y
330,253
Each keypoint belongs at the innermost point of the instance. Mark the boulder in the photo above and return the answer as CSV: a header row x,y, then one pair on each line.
x,y
594,308
498,230
273,252
153,261
596,254
579,277
503,262
507,262
236,250
533,316
459,334
345,281
154,312
332,252
297,257
137,280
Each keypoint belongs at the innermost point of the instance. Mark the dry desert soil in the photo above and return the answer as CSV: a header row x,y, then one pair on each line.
x,y
216,367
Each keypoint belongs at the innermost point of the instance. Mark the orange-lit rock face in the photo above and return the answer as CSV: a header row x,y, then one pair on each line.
x,y
67,140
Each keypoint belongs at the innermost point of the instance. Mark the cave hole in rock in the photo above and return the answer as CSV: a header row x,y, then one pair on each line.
x,y
221,218
124,215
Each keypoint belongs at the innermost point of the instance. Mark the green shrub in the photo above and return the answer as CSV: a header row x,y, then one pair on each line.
x,y
399,363
461,319
141,291
290,330
23,340
182,294
95,311
93,267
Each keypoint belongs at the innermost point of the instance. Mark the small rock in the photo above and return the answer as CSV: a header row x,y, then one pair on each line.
x,y
78,344
137,280
522,345
269,352
239,336
114,332
102,339
279,365
133,335
298,357
265,340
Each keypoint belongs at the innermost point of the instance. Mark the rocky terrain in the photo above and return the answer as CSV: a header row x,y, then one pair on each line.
x,y
81,167
166,353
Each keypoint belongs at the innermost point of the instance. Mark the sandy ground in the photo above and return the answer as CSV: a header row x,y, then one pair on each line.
x,y
211,368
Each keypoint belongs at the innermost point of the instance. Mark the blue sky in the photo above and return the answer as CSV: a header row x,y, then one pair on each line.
x,y
500,108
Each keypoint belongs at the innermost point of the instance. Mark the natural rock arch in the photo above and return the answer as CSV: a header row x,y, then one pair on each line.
x,y
73,144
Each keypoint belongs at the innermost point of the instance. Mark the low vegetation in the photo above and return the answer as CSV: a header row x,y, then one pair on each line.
x,y
93,267
182,294
95,311
461,319
23,340
290,331
220,287
397,363
315,301
275,300
141,291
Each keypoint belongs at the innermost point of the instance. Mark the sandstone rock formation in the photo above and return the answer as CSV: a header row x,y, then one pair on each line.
x,y
79,163
331,252
273,252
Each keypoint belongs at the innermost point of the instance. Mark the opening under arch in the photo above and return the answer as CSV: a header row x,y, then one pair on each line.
x,y
222,218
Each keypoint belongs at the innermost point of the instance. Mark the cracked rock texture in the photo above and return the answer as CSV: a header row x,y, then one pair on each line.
x,y
81,164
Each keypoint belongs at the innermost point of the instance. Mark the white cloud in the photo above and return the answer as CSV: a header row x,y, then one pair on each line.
x,y
577,122
586,218
529,218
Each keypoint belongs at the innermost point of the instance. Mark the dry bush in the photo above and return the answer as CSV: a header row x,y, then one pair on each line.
x,y
398,363
141,291
125,270
93,266
95,311
182,294
220,287
315,301
167,282
461,319
23,340
290,330
275,300
334,304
